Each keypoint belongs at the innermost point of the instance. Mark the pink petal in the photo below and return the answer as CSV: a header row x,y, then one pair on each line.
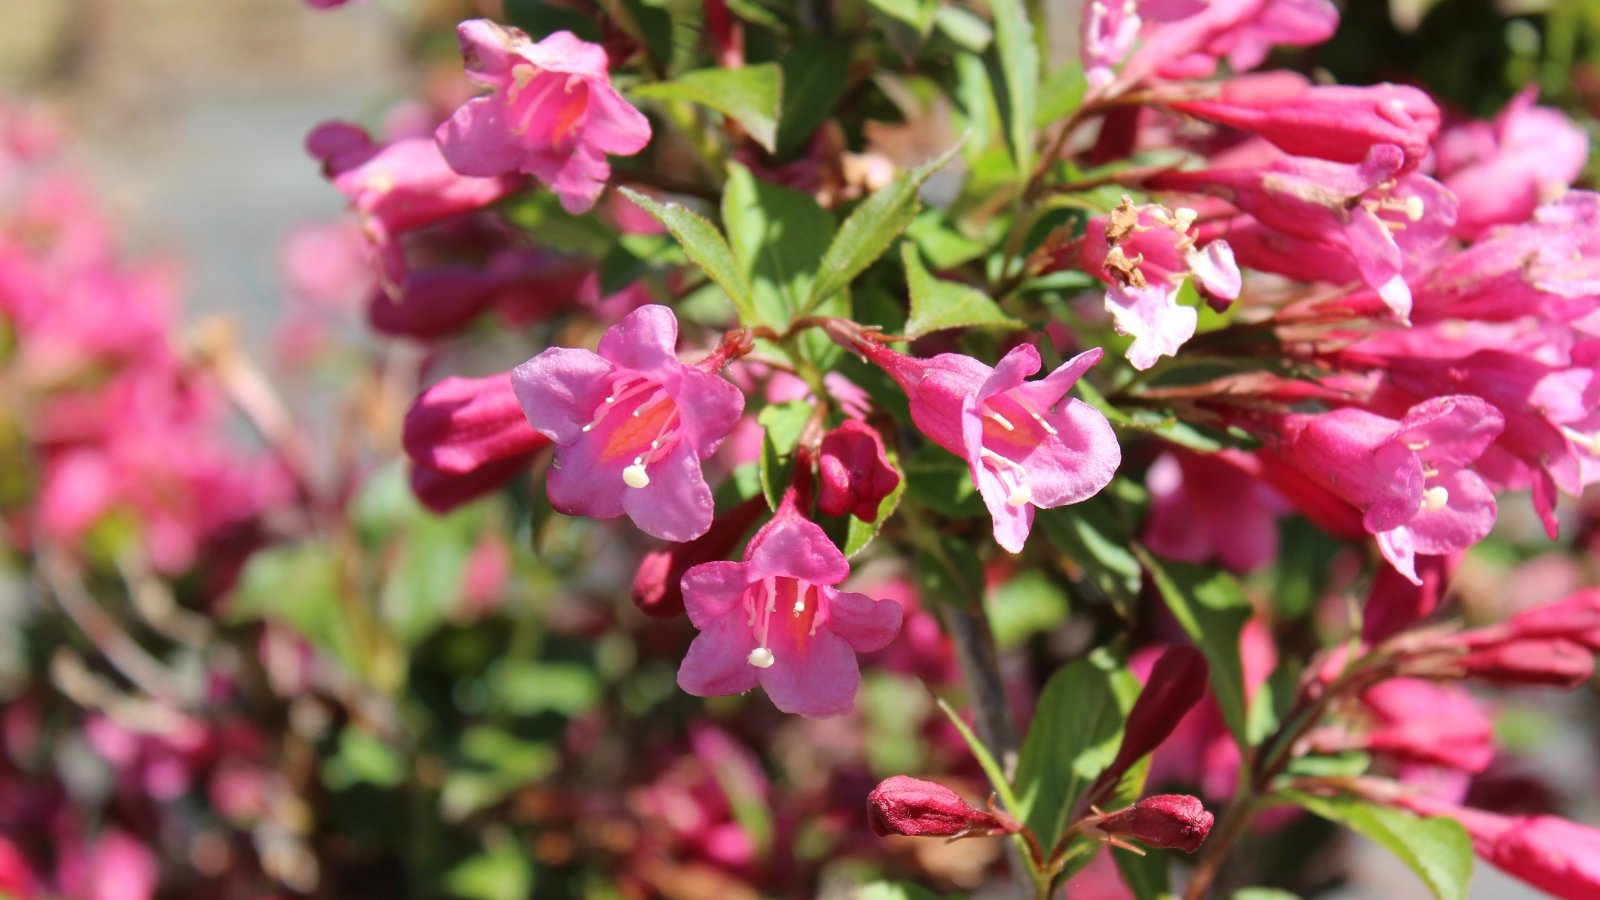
x,y
645,341
793,547
559,390
716,664
813,675
478,141
676,505
711,590
864,623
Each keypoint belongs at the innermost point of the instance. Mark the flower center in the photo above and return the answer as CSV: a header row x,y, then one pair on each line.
x,y
639,420
782,602
1012,427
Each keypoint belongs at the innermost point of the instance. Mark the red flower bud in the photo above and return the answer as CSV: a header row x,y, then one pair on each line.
x,y
1176,684
443,491
1575,618
1165,820
1394,603
1551,662
462,424
856,474
911,806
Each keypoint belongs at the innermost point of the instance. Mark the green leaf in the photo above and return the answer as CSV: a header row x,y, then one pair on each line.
x,y
964,27
916,13
814,71
1020,76
297,585
752,96
502,873
778,237
1263,893
871,228
1026,605
362,758
942,482
1145,875
937,304
1207,602
1075,733
783,423
705,247
1094,538
1437,849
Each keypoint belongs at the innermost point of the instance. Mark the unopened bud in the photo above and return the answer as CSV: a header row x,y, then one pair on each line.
x,y
462,424
1177,821
1551,662
855,470
1176,684
911,806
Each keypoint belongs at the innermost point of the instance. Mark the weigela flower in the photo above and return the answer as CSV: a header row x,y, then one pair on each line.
x,y
462,424
1552,854
1394,603
918,808
1501,170
1334,122
1408,477
553,113
777,620
1145,253
631,424
1182,39
1422,722
1176,821
1027,444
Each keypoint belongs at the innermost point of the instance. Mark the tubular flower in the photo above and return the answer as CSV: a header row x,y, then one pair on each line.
x,y
1553,854
1501,170
1409,477
776,620
1027,444
553,113
631,424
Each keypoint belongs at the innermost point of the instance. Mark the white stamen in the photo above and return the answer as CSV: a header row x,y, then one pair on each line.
x,y
589,427
1020,496
799,606
1183,218
1414,446
1414,209
1048,428
1435,498
761,658
1001,420
635,476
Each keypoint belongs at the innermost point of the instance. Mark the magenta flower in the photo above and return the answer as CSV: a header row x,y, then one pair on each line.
x,y
1553,854
1501,170
631,425
917,808
1176,821
1177,45
776,620
553,113
1027,444
1212,506
1409,478
1421,722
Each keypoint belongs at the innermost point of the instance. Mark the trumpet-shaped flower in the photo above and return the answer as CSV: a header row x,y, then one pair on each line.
x,y
631,425
553,113
776,620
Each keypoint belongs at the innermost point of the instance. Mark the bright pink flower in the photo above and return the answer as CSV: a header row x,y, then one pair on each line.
x,y
1546,662
631,425
854,472
1145,268
918,808
1326,121
1553,854
1027,444
775,619
400,186
1370,212
16,876
553,113
1409,477
1394,603
1500,170
1176,46
443,491
1212,505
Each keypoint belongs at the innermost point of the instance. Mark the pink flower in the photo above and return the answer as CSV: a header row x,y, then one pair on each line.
x,y
1145,253
1327,122
1027,444
631,425
1409,477
1500,170
1553,854
855,471
553,113
775,619
462,424
1178,46
1421,722
1214,505
1394,603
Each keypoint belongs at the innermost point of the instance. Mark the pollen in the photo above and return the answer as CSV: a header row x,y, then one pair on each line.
x,y
635,476
1020,496
1435,498
761,658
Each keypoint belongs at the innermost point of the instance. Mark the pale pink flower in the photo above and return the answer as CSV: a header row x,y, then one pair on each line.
x,y
553,113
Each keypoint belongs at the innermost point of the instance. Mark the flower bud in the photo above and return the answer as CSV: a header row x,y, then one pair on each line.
x,y
1575,618
1166,820
462,424
1551,662
1176,684
855,470
443,491
911,806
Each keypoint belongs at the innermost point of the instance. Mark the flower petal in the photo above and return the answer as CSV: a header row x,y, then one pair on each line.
x,y
711,590
717,662
812,675
864,623
477,141
645,340
676,504
559,390
794,547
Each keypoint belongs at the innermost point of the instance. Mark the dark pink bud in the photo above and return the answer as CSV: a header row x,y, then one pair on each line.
x,y
1176,684
1575,618
1177,821
462,424
855,469
911,806
658,585
1549,662
1395,604
443,491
